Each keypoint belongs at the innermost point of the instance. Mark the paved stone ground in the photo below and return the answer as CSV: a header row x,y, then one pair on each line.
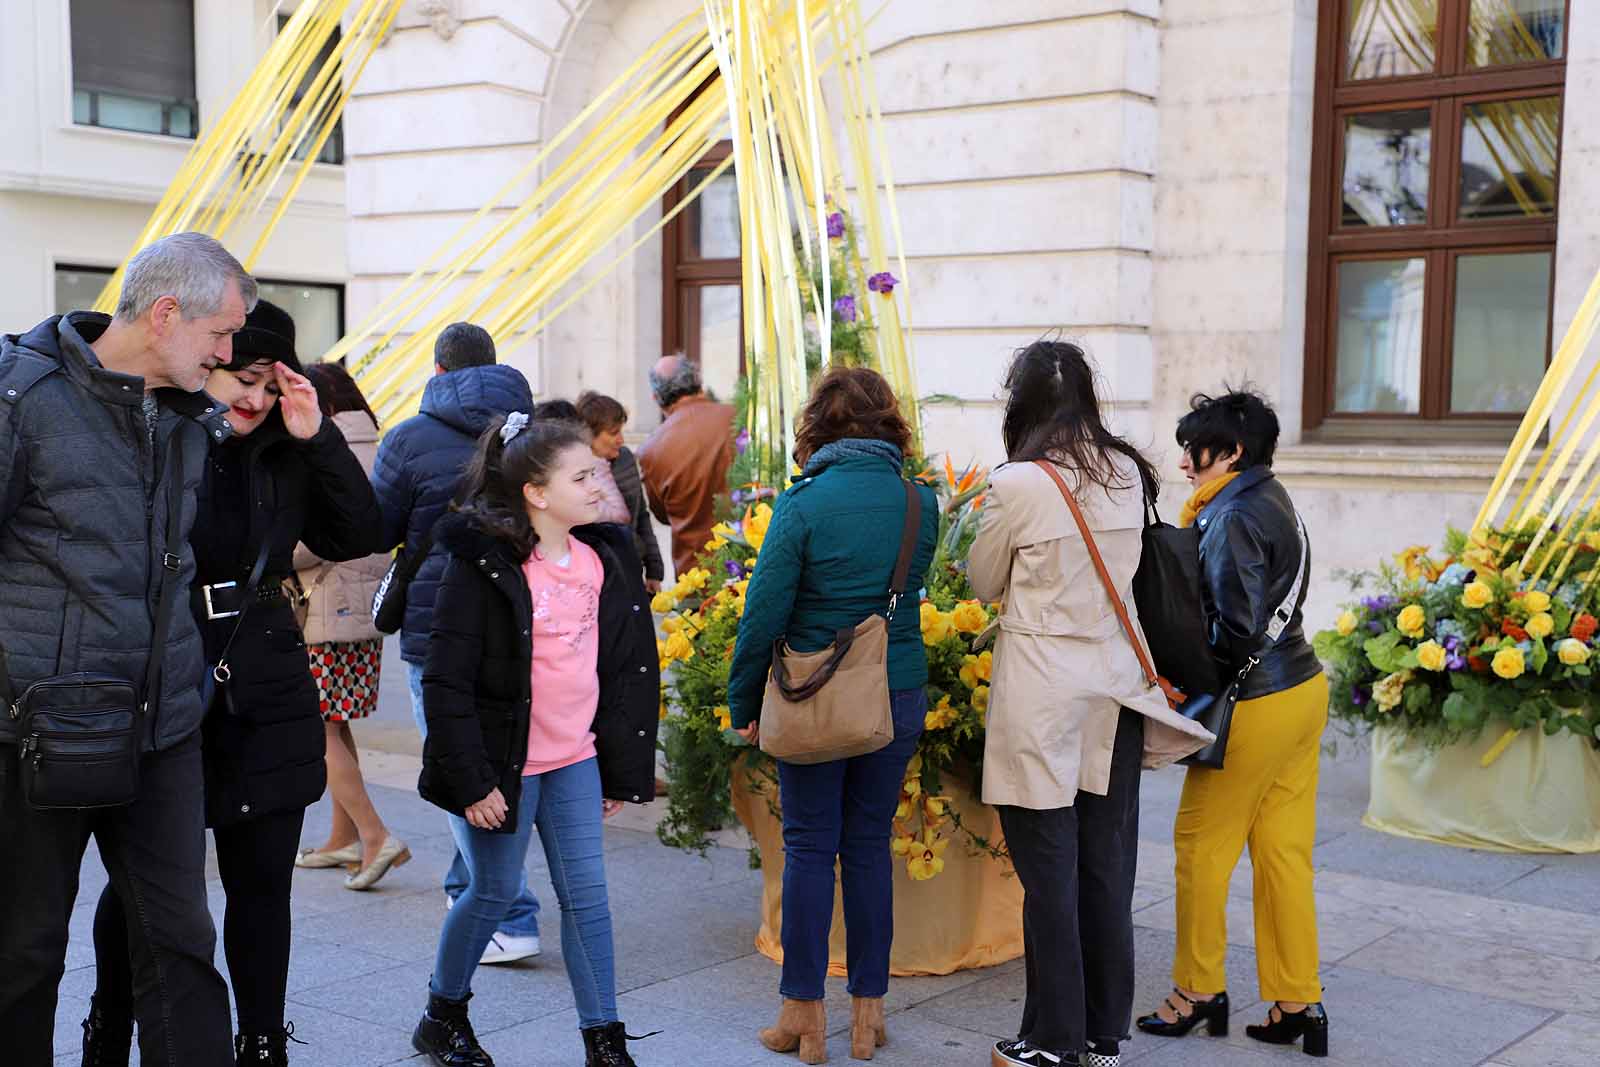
x,y
1433,957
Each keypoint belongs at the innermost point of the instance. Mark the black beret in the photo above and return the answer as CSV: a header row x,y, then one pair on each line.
x,y
268,334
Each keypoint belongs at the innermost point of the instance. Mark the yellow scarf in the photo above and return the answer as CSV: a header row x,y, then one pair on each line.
x,y
1202,496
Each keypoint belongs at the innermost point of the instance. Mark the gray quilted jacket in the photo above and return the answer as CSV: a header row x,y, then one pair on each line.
x,y
83,519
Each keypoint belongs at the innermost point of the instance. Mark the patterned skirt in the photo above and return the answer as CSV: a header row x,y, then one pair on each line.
x,y
347,678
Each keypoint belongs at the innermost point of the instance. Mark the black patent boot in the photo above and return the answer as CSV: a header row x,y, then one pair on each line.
x,y
607,1046
445,1034
1291,1026
107,1042
263,1050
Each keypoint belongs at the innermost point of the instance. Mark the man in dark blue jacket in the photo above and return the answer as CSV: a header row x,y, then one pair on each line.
x,y
417,472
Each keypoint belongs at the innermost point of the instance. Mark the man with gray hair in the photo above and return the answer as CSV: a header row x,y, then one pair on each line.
x,y
104,433
685,461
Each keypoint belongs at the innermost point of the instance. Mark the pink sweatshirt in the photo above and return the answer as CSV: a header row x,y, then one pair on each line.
x,y
566,645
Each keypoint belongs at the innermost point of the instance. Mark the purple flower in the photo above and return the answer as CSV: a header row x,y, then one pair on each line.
x,y
1456,663
742,442
733,568
1375,627
743,496
1379,604
1359,695
845,308
835,225
882,282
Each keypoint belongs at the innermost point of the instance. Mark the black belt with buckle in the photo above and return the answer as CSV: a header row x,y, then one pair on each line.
x,y
224,600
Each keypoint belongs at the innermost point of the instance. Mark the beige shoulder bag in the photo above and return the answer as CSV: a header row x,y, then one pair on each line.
x,y
834,704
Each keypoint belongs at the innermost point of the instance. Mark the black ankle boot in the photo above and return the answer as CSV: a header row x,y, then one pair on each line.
x,y
446,1035
107,1042
1291,1026
607,1046
262,1050
1213,1012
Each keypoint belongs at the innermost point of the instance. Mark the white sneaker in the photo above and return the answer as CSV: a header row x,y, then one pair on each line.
x,y
509,948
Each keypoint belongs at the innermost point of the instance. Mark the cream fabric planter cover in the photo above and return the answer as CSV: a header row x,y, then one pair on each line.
x,y
969,916
1541,795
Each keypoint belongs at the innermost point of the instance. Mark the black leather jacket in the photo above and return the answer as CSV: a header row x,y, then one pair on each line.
x,y
1249,559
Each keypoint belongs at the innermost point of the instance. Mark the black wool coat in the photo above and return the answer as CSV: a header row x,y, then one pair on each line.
x,y
264,753
477,684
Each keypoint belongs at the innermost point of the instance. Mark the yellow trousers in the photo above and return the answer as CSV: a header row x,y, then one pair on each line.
x,y
1264,796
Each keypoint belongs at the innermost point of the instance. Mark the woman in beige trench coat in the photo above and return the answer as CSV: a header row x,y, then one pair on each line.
x,y
1071,717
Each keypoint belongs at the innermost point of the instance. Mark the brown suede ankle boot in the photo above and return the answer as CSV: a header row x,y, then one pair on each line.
x,y
802,1025
867,1030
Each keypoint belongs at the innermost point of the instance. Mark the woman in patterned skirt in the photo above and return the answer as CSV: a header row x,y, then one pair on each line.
x,y
346,652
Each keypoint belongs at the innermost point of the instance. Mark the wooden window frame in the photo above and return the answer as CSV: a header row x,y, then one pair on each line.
x,y
683,272
1445,93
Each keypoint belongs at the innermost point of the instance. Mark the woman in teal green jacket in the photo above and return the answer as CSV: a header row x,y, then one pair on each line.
x,y
825,566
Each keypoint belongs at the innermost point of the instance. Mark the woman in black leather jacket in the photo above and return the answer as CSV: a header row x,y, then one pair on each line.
x,y
285,476
1255,563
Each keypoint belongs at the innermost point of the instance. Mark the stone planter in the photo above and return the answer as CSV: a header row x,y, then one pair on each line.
x,y
969,916
1542,794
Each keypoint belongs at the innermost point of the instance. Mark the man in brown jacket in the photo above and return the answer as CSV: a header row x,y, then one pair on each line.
x,y
685,461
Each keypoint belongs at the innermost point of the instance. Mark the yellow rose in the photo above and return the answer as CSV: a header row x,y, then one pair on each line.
x,y
1477,595
1572,652
1412,621
1387,693
1346,623
663,602
679,646
969,617
938,629
1537,600
1431,656
1541,625
940,716
1508,663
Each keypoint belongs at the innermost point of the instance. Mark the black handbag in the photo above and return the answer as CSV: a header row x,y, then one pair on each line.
x,y
1168,591
389,600
79,734
1214,709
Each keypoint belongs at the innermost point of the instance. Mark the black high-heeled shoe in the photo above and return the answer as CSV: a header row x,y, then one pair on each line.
x,y
1290,1026
1213,1012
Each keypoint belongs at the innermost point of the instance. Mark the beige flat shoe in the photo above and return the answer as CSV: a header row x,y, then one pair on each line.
x,y
394,853
339,857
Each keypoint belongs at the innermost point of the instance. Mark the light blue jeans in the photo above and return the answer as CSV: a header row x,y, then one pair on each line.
x,y
523,918
564,805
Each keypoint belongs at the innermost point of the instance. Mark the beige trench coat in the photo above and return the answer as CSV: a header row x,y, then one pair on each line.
x,y
340,606
1063,665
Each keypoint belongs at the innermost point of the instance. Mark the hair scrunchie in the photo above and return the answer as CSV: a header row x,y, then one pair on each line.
x,y
515,423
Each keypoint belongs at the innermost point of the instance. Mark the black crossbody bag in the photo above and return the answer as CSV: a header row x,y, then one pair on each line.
x,y
79,734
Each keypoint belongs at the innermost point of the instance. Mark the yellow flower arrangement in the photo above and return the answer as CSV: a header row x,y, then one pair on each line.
x,y
926,858
1508,663
1412,621
1541,625
1416,565
969,617
1431,656
1572,652
975,670
1477,595
663,602
1346,623
941,715
936,625
1536,600
678,646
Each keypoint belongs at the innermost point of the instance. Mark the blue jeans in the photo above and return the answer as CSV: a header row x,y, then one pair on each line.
x,y
523,918
565,807
844,809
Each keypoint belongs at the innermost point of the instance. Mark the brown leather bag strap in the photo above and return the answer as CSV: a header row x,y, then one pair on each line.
x,y
1105,575
908,547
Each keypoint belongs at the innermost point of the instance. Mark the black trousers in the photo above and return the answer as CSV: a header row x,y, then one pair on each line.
x,y
154,850
1077,867
256,861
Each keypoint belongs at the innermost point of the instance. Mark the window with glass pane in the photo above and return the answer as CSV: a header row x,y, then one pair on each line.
x,y
1429,295
1508,158
333,148
712,229
1502,331
317,310
77,288
1378,336
720,351
133,65
1505,32
1386,161
1390,38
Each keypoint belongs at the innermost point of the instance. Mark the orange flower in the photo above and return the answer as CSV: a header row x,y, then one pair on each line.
x,y
1512,630
1478,665
1584,626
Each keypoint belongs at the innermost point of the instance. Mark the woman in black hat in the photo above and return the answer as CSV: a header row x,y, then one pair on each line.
x,y
285,476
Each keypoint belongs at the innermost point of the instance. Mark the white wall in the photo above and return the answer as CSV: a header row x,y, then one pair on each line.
x,y
80,195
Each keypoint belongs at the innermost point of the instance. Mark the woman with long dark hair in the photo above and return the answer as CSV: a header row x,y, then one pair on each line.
x,y
540,690
285,476
346,652
1072,717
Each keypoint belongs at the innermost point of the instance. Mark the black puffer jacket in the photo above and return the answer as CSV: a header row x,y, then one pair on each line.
x,y
1249,559
83,518
477,683
267,755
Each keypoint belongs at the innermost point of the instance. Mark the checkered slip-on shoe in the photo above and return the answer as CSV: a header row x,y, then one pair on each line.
x,y
1101,1059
